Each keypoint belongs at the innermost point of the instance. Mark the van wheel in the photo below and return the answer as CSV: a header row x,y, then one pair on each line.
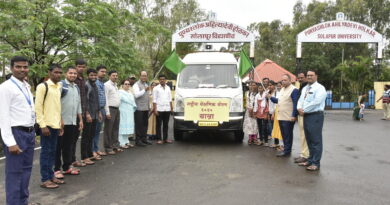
x,y
238,136
177,135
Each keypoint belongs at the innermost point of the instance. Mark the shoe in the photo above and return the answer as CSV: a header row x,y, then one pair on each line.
x,y
300,160
146,142
140,144
282,154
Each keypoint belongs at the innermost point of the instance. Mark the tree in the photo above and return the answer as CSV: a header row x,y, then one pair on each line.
x,y
49,31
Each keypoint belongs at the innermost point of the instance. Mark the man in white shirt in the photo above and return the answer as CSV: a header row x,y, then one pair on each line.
x,y
17,119
111,124
141,115
162,108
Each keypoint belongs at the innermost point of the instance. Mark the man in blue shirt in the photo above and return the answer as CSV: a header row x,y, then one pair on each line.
x,y
101,73
311,105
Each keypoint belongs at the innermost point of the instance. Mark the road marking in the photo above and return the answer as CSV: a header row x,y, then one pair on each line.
x,y
38,148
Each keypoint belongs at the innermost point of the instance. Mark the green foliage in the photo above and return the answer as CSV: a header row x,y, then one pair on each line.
x,y
125,35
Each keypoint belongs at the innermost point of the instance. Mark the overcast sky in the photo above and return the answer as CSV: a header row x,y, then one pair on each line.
x,y
244,12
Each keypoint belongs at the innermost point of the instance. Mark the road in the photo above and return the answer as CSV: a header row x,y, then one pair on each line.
x,y
213,169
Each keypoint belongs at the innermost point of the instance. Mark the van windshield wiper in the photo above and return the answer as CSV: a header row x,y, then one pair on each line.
x,y
223,86
206,86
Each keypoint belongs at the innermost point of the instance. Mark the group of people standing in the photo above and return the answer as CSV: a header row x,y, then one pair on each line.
x,y
63,109
274,107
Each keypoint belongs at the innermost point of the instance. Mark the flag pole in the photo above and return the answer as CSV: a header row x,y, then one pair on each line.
x,y
254,69
158,72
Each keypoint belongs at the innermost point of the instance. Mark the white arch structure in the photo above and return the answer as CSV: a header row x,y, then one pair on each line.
x,y
340,31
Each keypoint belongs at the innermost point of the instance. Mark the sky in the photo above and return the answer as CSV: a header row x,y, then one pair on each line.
x,y
245,12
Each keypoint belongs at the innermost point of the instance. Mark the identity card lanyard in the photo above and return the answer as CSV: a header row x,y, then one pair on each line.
x,y
28,97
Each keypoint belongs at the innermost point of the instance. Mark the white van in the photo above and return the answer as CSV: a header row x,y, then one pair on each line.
x,y
209,75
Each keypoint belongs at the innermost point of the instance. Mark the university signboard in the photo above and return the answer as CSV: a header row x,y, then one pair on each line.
x,y
214,32
340,31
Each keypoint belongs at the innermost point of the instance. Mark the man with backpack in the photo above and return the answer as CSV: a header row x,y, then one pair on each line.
x,y
48,111
70,112
92,116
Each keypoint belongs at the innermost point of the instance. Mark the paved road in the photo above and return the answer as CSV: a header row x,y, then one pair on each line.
x,y
213,169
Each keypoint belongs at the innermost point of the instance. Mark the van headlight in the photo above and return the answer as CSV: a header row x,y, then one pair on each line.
x,y
179,104
236,104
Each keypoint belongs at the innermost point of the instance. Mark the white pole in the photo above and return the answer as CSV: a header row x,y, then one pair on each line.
x,y
258,77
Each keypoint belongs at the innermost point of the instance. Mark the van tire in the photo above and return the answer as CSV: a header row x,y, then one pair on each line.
x,y
238,136
177,135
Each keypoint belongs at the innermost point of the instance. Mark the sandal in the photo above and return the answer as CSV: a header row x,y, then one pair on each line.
x,y
96,157
57,181
118,150
274,146
71,171
304,164
58,175
101,153
79,164
160,142
168,141
312,168
111,153
88,162
49,185
125,147
75,169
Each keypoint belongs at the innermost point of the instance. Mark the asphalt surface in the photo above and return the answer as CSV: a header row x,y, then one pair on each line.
x,y
213,169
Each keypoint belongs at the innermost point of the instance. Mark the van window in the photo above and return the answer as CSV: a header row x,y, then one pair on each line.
x,y
209,76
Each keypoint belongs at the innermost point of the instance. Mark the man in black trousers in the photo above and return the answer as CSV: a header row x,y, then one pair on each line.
x,y
141,115
162,108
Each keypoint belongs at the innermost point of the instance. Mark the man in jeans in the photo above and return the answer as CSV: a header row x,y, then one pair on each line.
x,y
81,65
92,116
111,124
70,112
162,108
101,73
48,110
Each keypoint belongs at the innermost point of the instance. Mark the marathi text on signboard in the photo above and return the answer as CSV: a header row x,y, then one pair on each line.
x,y
213,31
206,109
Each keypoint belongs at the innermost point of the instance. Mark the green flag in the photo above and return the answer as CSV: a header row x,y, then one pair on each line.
x,y
245,63
174,63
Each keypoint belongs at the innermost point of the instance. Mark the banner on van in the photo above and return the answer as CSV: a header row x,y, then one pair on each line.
x,y
206,109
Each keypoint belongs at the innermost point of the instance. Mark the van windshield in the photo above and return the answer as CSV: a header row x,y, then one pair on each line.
x,y
209,76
